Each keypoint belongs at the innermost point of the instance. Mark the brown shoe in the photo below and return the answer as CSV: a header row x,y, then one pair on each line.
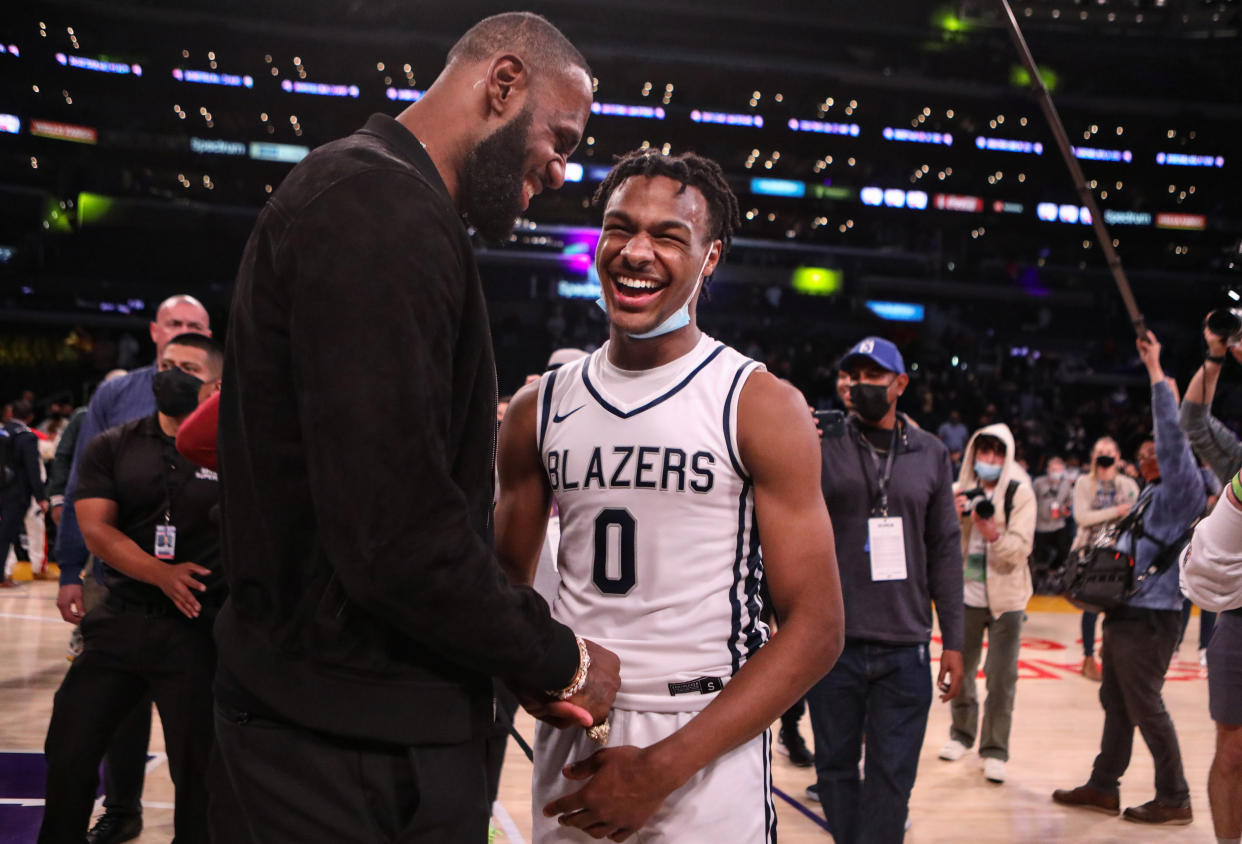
x,y
1088,797
1154,812
1091,669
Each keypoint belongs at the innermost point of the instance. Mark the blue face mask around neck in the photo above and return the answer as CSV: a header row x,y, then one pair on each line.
x,y
678,319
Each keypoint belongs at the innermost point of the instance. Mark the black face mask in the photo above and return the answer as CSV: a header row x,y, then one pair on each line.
x,y
176,392
1105,461
870,401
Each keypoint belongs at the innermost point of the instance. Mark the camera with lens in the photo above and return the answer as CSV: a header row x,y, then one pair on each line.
x,y
1226,323
977,501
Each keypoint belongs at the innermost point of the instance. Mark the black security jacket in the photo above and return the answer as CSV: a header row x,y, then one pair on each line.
x,y
357,436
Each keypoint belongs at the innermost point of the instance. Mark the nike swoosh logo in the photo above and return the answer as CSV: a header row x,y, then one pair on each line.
x,y
556,417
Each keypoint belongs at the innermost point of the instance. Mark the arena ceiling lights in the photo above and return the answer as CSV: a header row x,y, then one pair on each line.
x,y
724,118
621,110
914,136
207,77
823,127
319,89
98,65
1178,159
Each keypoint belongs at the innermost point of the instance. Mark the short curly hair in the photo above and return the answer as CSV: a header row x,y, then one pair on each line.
x,y
688,168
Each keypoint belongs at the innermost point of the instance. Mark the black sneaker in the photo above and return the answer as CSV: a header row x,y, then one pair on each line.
x,y
112,828
790,743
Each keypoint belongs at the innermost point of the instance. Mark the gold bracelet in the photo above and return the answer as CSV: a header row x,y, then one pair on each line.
x,y
580,676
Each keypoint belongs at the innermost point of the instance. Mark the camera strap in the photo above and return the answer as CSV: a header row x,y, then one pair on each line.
x,y
884,477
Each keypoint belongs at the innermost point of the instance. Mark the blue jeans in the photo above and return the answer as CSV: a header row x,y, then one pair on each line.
x,y
884,692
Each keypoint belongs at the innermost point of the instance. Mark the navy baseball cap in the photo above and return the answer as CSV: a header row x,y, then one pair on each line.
x,y
877,350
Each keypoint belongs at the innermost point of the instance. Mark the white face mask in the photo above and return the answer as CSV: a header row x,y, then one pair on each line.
x,y
678,319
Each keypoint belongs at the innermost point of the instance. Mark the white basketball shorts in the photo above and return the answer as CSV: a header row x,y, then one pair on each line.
x,y
728,801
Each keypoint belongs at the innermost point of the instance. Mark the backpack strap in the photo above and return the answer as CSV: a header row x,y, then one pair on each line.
x,y
1010,492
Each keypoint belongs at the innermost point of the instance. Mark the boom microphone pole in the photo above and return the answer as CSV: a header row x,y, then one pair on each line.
x,y
1080,182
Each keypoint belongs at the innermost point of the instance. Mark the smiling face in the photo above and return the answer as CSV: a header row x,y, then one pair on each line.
x,y
652,251
527,154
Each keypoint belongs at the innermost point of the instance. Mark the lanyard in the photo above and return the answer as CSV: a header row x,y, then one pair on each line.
x,y
171,491
884,478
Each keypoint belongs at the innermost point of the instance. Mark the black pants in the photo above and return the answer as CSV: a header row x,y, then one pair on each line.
x,y
125,766
1138,644
12,525
791,716
288,785
130,653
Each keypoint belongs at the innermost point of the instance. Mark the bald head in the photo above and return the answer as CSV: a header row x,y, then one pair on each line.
x,y
532,37
180,314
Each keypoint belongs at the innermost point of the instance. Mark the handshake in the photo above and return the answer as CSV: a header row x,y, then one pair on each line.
x,y
587,700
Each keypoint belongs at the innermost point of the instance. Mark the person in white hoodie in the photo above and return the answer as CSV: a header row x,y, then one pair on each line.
x,y
1212,578
996,507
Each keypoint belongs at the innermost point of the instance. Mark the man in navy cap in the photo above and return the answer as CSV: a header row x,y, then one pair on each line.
x,y
889,489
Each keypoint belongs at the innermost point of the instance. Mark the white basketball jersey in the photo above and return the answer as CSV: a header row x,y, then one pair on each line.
x,y
659,556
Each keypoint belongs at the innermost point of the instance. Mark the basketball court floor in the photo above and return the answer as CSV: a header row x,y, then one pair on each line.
x,y
1056,732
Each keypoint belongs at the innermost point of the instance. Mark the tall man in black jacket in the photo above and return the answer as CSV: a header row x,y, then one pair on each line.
x,y
889,489
368,612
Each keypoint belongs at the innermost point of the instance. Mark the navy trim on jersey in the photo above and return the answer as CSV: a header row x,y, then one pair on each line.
x,y
769,809
735,633
754,576
627,414
728,407
547,407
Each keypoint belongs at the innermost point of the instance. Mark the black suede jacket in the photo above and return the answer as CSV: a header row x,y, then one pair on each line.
x,y
357,437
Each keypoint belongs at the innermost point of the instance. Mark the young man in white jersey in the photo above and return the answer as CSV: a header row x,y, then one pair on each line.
x,y
669,454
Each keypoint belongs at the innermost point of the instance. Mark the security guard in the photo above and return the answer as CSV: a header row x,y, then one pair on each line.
x,y
146,512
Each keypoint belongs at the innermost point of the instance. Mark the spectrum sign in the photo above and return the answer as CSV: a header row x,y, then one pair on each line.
x,y
1126,218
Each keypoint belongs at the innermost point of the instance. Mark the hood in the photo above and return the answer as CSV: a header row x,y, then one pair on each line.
x,y
967,479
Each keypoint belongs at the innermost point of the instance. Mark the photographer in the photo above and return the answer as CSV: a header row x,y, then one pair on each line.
x,y
1140,635
996,509
1212,578
1211,440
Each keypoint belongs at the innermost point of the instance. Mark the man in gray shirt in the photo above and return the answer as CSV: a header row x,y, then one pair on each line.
x,y
889,491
